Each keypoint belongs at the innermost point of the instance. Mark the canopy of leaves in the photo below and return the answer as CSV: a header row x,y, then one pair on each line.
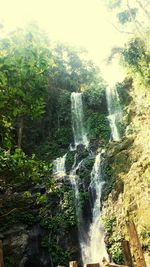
x,y
36,80
19,168
127,16
130,17
136,57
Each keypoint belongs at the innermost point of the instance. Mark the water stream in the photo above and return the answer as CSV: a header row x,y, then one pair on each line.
x,y
93,250
80,136
114,110
73,177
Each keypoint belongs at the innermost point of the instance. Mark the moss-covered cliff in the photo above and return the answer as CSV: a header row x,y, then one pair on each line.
x,y
127,174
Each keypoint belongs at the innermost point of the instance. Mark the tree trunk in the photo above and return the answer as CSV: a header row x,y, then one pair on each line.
x,y
1,254
136,246
127,253
20,133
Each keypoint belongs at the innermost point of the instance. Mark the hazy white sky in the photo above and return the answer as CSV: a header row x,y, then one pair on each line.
x,y
79,22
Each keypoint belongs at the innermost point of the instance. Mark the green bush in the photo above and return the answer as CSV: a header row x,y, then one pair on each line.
x,y
18,167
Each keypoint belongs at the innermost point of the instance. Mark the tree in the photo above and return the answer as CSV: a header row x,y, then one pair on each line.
x,y
36,80
72,71
136,58
130,15
24,65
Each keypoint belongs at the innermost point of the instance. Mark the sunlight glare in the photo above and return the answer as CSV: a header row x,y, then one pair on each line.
x,y
77,22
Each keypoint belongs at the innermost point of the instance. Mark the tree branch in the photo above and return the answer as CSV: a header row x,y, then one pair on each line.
x,y
8,213
143,8
121,31
135,22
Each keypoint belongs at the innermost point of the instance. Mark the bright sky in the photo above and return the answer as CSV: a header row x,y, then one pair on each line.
x,y
78,22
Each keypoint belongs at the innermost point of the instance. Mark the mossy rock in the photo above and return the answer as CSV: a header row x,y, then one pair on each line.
x,y
82,153
85,172
69,160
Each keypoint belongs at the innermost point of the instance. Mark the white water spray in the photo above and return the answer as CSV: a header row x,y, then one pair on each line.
x,y
91,243
74,182
115,112
80,136
59,166
93,250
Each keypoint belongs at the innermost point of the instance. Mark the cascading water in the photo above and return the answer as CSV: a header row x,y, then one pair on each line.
x,y
115,112
93,250
80,136
91,243
74,181
59,166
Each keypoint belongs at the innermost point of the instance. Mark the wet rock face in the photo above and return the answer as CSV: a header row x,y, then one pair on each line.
x,y
34,254
37,233
23,247
127,172
14,244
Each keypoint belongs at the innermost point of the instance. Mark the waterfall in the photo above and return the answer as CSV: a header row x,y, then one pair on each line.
x,y
93,249
114,110
91,242
74,182
80,136
59,166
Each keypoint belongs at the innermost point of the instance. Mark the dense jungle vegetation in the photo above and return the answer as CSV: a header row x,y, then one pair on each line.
x,y
37,77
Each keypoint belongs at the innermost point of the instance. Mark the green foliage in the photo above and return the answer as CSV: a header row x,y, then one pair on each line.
x,y
84,197
26,217
68,208
72,71
134,52
59,255
127,15
17,167
145,237
116,253
136,57
108,224
26,194
95,109
9,261
98,126
21,215
123,90
36,80
41,199
69,160
56,138
94,96
132,17
114,240
66,216
107,189
59,220
85,171
116,161
25,60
